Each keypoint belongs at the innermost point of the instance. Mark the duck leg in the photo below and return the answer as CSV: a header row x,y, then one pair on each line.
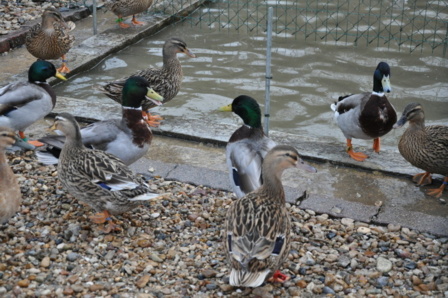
x,y
279,277
153,121
358,156
422,178
135,22
437,192
34,143
376,145
63,68
102,217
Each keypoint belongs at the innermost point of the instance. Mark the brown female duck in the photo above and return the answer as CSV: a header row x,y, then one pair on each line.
x,y
166,81
257,226
96,177
125,8
10,195
425,147
50,40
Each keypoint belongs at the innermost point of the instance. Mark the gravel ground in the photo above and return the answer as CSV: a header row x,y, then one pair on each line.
x,y
15,13
172,247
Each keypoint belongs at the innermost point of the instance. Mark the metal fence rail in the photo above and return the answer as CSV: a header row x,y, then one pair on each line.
x,y
410,25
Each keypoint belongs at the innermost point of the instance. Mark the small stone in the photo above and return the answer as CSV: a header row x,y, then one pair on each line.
x,y
155,258
211,286
383,265
68,291
24,283
141,283
208,273
72,257
382,281
45,262
96,287
364,230
347,221
393,227
344,261
226,287
328,290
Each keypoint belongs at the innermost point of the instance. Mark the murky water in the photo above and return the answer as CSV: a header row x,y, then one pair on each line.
x,y
307,78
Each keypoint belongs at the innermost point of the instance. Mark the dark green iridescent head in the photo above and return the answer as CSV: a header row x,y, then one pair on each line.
x,y
248,109
134,92
40,71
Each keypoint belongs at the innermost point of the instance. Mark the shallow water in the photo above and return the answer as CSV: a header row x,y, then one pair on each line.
x,y
307,77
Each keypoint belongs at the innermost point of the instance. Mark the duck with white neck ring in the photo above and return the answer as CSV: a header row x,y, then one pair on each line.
x,y
368,115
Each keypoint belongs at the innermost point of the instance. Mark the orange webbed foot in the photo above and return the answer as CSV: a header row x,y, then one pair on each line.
x,y
137,23
358,156
152,120
123,25
63,68
36,143
102,217
422,178
437,192
279,277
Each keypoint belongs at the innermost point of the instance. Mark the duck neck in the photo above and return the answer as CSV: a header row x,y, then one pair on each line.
x,y
171,62
377,87
74,140
272,184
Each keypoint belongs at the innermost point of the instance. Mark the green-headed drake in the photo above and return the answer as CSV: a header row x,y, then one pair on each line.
x,y
23,103
127,138
247,146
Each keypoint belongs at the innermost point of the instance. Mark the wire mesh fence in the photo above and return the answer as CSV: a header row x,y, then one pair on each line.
x,y
410,25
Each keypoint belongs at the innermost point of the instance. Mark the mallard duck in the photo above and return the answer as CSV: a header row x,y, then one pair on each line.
x,y
10,195
23,103
247,146
257,226
368,115
127,138
50,40
96,177
166,80
425,147
125,8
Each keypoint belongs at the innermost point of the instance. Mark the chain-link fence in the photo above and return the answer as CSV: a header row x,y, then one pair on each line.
x,y
405,25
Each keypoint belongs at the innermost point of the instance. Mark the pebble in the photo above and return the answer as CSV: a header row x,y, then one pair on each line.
x,y
383,265
180,252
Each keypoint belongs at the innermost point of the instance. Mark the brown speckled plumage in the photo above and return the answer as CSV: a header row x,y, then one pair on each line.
x,y
50,40
425,147
166,81
125,8
257,226
10,195
96,177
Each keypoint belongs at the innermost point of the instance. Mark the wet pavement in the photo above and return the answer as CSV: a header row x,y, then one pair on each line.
x,y
191,149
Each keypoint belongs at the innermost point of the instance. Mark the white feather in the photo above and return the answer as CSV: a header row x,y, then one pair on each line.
x,y
46,158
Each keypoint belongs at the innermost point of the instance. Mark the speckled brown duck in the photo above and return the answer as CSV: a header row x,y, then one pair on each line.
x,y
51,39
166,80
257,226
96,177
425,147
10,195
368,115
125,8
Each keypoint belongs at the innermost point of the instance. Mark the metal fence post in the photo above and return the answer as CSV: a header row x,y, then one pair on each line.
x,y
267,100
